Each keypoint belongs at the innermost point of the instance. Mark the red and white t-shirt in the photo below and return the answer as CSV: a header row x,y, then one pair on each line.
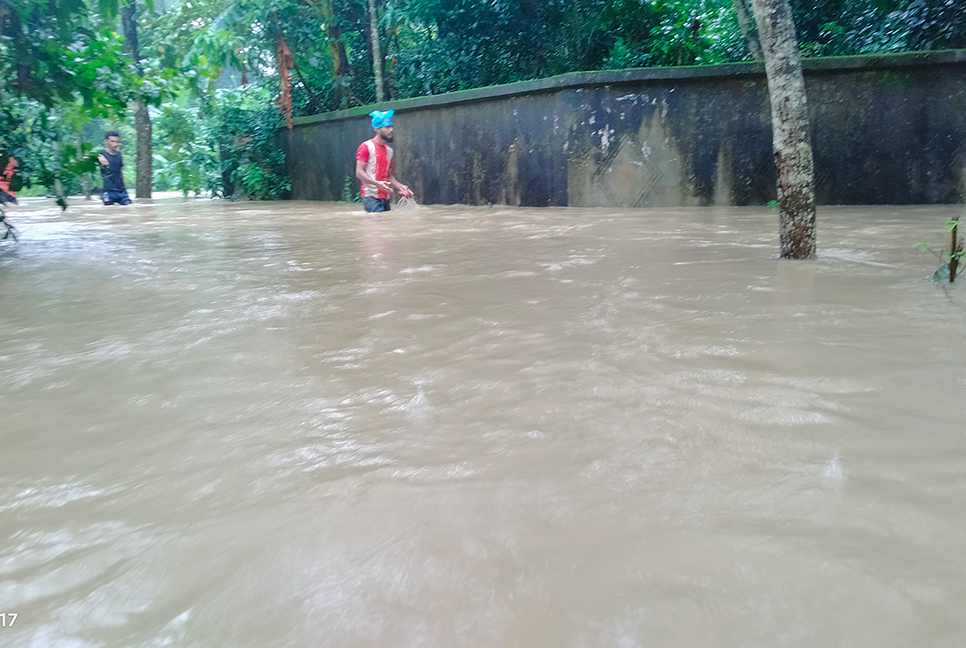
x,y
378,159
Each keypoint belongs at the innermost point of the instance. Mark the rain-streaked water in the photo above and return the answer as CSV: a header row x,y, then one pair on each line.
x,y
293,424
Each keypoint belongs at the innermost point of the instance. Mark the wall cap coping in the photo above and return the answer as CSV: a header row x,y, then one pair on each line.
x,y
846,64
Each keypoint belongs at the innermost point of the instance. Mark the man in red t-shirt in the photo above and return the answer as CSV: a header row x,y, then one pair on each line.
x,y
374,166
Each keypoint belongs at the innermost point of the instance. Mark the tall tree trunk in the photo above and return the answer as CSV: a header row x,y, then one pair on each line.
x,y
285,62
227,183
340,60
340,63
142,120
86,184
744,24
143,162
790,128
376,50
58,184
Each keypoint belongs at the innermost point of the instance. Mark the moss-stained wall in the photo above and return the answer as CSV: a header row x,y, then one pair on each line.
x,y
885,130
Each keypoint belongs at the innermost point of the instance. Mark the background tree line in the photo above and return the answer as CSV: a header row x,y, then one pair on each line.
x,y
200,84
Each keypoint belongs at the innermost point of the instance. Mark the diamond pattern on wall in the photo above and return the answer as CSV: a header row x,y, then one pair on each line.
x,y
628,176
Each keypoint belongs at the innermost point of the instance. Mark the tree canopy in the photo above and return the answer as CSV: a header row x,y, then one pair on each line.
x,y
218,74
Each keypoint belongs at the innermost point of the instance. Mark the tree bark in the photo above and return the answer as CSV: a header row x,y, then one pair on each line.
x,y
744,24
86,184
790,128
142,120
340,60
285,62
376,50
58,183
143,161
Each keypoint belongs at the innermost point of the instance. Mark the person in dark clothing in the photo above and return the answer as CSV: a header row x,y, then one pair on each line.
x,y
111,165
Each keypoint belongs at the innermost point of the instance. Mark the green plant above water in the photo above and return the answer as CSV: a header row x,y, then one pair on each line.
x,y
348,195
952,258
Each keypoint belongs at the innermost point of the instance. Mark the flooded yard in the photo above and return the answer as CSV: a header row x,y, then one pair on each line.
x,y
295,424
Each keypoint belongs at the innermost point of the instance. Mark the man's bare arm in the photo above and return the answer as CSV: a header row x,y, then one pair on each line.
x,y
403,190
368,179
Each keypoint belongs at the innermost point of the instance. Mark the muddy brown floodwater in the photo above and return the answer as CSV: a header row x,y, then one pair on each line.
x,y
297,425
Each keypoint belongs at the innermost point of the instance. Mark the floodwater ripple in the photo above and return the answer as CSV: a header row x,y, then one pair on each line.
x,y
296,424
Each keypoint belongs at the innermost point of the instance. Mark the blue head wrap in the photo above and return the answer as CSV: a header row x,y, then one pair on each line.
x,y
381,119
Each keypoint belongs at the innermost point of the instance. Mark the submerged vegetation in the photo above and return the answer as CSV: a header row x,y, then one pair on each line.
x,y
951,258
216,76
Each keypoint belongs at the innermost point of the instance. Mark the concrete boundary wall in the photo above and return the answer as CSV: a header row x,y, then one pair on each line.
x,y
885,129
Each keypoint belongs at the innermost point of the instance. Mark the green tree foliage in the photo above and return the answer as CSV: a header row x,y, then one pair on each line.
x,y
248,123
52,58
444,45
50,51
210,68
61,66
217,137
844,27
224,145
186,158
435,46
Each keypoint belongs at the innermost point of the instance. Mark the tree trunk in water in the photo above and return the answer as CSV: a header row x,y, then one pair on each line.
x,y
790,128
744,24
59,189
227,184
143,162
58,183
142,120
86,184
376,50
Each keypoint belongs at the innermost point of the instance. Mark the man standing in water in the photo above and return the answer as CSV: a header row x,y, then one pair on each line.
x,y
111,165
374,166
7,193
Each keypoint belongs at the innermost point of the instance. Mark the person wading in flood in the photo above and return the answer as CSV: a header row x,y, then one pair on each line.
x,y
374,166
7,181
111,165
